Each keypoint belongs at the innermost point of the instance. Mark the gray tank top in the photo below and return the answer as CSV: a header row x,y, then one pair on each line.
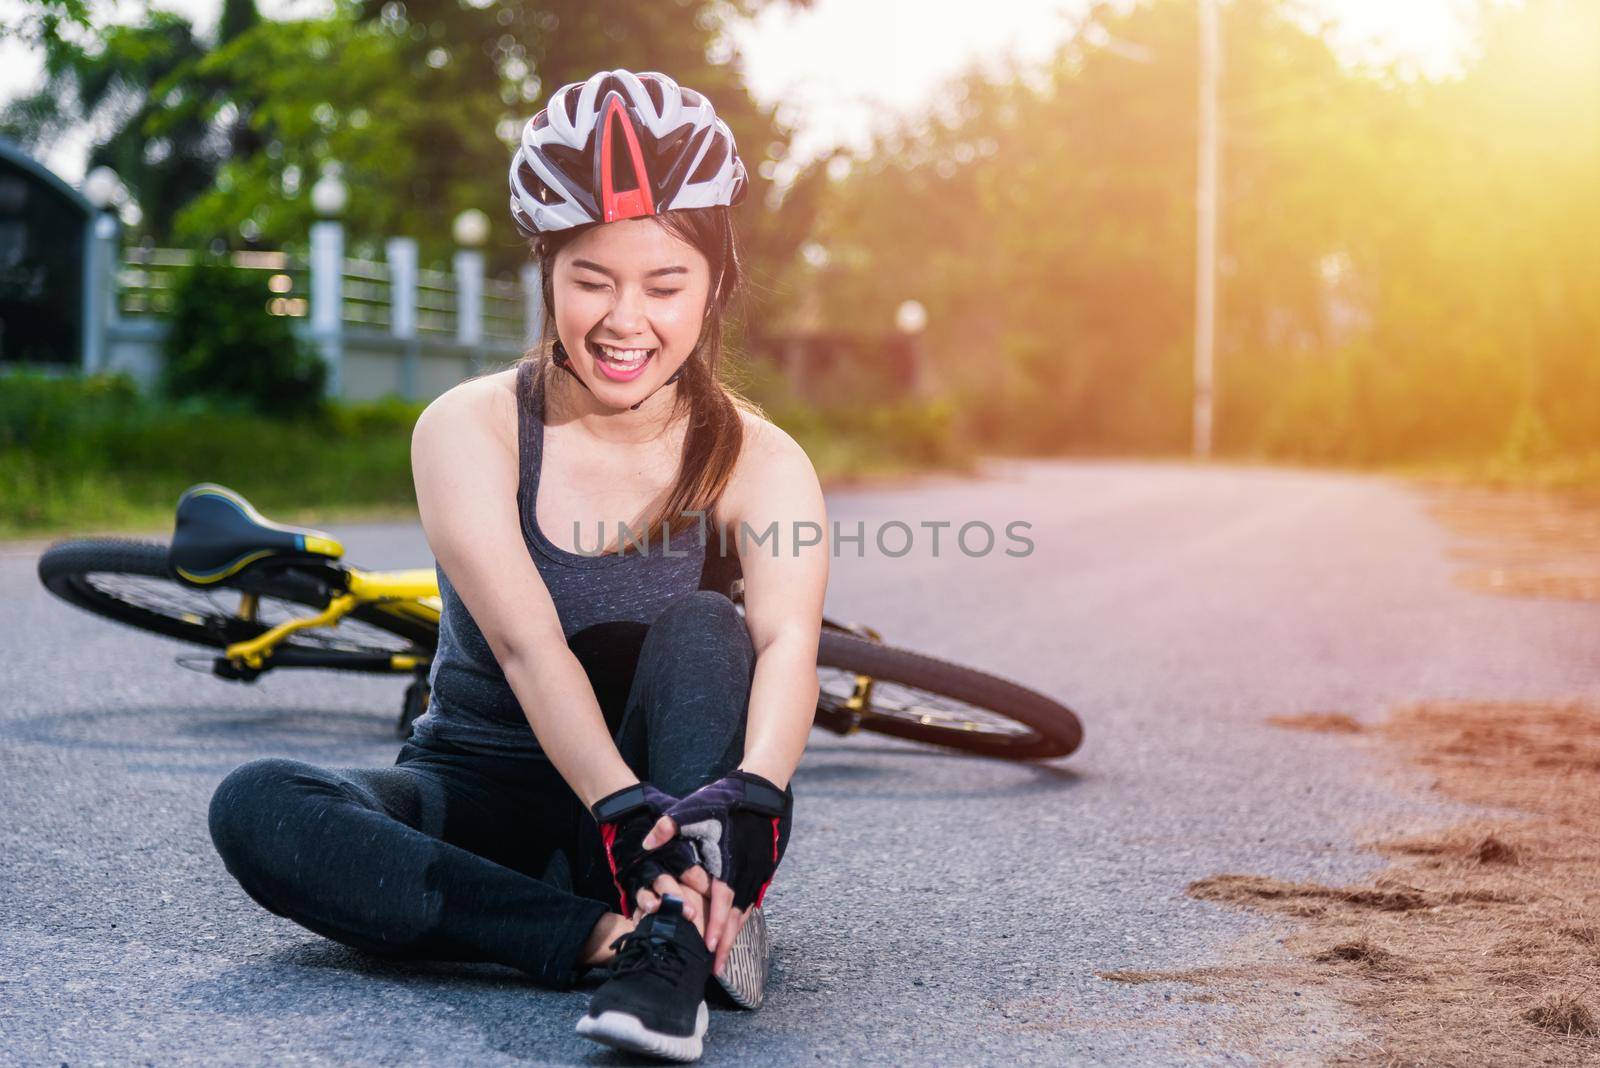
x,y
605,603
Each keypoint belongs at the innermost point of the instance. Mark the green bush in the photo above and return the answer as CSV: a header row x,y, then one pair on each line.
x,y
43,413
226,348
92,453
86,454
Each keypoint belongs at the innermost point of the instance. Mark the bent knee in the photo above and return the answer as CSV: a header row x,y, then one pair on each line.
x,y
246,796
703,611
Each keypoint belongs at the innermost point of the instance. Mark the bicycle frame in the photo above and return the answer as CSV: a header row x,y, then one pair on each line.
x,y
411,593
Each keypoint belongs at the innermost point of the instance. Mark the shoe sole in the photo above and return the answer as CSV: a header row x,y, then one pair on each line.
x,y
621,1030
748,964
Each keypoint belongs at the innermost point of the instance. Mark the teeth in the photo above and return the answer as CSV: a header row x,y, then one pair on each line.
x,y
626,359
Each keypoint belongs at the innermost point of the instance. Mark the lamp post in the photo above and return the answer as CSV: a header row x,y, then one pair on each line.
x,y
1205,266
328,198
102,189
911,319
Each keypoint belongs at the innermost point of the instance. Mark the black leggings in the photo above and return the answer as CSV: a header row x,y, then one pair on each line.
x,y
452,855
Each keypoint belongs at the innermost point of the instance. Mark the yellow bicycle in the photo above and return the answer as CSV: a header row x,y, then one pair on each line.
x,y
271,596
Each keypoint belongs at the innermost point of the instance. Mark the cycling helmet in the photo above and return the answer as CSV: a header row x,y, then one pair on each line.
x,y
619,146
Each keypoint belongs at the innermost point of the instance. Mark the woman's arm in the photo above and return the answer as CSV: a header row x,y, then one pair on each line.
x,y
784,584
785,577
464,464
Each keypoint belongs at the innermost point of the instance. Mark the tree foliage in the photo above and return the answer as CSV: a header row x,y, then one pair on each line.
x,y
1408,268
42,20
421,105
160,124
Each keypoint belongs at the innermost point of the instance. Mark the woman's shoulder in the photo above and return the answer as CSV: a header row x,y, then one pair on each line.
x,y
485,401
766,445
770,459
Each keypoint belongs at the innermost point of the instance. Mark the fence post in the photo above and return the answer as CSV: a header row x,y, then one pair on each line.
x,y
328,197
103,252
105,248
532,305
402,254
327,296
471,230
469,297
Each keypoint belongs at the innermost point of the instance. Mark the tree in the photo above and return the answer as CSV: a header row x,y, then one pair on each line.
x,y
167,128
421,104
42,20
1406,264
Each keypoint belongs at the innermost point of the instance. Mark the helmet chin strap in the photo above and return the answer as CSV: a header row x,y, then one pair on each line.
x,y
558,353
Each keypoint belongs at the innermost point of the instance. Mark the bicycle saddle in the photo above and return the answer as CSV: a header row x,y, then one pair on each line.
x,y
219,533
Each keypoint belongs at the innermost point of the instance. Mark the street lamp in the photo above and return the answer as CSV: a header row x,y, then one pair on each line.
x,y
101,188
329,196
471,228
911,319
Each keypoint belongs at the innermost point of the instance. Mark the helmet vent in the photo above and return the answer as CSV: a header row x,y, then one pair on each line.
x,y
715,156
657,96
623,176
535,185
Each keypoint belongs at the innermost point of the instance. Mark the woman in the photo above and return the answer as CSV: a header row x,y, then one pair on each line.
x,y
602,774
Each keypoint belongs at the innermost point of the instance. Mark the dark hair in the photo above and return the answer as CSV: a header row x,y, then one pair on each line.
x,y
716,434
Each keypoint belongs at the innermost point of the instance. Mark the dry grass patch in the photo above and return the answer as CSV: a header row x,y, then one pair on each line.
x,y
1565,1013
1320,722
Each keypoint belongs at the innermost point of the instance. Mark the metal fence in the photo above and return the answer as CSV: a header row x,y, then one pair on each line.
x,y
144,288
388,322
144,282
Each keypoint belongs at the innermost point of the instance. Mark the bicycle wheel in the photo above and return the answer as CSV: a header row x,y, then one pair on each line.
x,y
925,699
128,581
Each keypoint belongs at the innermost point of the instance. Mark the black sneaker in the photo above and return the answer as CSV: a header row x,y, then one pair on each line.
x,y
744,978
654,1000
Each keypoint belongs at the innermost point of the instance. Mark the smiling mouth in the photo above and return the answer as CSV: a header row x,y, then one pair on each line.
x,y
623,360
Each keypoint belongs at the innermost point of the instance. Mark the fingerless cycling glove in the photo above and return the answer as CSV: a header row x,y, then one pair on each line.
x,y
625,818
739,826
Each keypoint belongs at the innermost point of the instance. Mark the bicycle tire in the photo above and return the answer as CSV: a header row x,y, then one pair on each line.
x,y
1047,727
64,569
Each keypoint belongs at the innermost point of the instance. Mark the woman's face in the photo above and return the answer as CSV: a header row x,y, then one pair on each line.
x,y
630,299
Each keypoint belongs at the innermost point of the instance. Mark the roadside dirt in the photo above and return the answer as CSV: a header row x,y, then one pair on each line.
x,y
1479,944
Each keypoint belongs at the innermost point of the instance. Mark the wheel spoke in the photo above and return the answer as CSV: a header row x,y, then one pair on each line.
x,y
230,612
898,701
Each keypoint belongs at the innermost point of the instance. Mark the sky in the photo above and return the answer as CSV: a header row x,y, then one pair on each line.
x,y
828,65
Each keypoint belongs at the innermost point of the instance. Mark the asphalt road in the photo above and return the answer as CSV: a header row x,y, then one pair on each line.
x,y
932,909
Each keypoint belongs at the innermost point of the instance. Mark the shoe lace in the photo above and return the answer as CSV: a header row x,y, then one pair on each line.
x,y
638,951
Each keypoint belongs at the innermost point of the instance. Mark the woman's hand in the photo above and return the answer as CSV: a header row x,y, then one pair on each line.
x,y
691,888
642,873
723,923
737,827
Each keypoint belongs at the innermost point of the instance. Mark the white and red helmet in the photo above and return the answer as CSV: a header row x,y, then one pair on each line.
x,y
619,146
